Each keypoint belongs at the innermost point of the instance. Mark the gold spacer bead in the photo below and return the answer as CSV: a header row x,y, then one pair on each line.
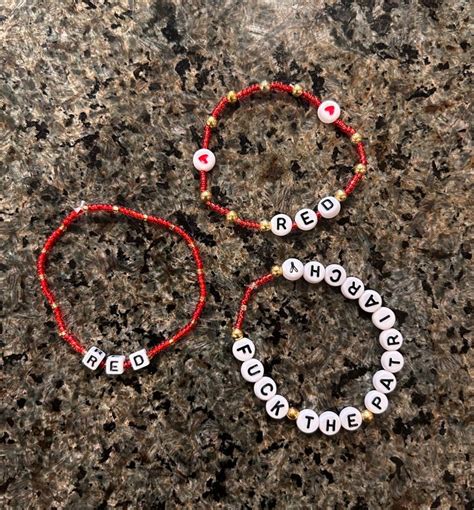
x,y
211,121
277,271
232,96
54,306
206,196
145,217
62,333
340,195
264,86
297,90
43,250
292,413
367,416
265,226
360,169
231,216
115,208
237,334
85,208
356,138
61,227
41,276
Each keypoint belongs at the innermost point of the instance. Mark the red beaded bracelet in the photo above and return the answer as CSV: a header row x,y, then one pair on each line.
x,y
281,224
95,357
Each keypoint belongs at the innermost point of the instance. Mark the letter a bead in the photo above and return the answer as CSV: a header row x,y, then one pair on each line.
x,y
93,358
292,269
139,359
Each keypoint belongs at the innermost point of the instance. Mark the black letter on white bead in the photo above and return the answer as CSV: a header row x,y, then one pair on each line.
x,y
93,358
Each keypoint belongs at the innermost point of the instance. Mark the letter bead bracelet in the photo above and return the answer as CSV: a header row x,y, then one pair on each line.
x,y
281,224
384,381
94,357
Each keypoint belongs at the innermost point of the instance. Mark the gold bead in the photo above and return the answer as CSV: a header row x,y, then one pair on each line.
x,y
115,208
232,96
360,169
206,196
264,86
340,195
62,333
277,271
43,250
292,413
265,226
356,138
54,306
61,227
85,208
145,217
231,216
41,276
211,122
297,90
367,416
237,334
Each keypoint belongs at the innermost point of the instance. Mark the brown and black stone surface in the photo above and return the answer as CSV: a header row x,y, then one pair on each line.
x,y
105,102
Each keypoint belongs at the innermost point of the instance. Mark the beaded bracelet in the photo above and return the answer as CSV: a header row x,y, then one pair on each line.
x,y
384,381
115,364
281,224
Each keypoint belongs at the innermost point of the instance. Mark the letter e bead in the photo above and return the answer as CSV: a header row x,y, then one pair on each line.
x,y
114,364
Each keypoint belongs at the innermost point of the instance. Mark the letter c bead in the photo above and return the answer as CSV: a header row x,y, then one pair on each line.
x,y
265,388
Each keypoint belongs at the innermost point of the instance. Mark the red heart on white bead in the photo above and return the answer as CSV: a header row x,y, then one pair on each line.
x,y
329,111
204,160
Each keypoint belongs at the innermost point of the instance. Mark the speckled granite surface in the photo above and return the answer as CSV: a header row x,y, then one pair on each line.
x,y
105,102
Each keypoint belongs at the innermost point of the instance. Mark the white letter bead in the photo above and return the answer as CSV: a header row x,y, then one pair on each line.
x,y
392,361
306,219
329,423
384,381
370,301
307,421
329,111
277,407
391,339
292,269
252,370
139,359
334,275
350,417
376,402
265,388
313,272
243,349
352,288
204,160
384,318
114,364
93,358
281,224
329,207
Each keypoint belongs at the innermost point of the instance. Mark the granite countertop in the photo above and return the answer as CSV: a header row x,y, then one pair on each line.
x,y
105,102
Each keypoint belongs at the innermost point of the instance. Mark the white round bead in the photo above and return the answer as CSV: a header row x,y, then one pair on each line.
x,y
350,417
376,402
252,370
306,219
292,269
265,388
383,318
243,349
334,275
352,288
277,407
391,339
307,421
204,160
370,301
313,272
281,224
392,361
329,207
329,111
329,423
384,381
